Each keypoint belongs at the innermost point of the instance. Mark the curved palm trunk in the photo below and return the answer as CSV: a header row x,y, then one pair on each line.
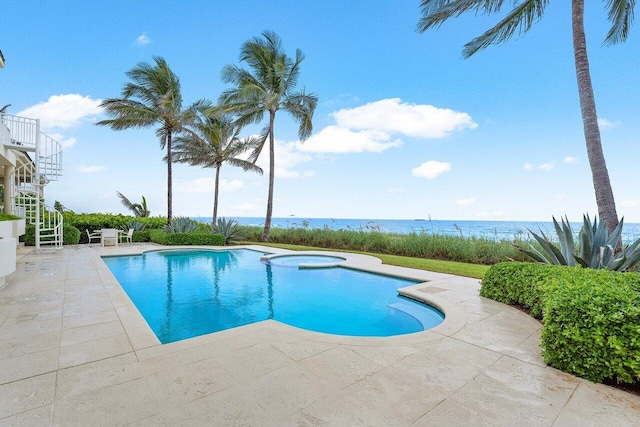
x,y
602,185
215,197
267,220
169,179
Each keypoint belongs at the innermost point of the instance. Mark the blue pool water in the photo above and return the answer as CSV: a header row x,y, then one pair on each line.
x,y
187,293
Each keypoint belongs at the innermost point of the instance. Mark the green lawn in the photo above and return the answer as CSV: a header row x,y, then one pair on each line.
x,y
449,267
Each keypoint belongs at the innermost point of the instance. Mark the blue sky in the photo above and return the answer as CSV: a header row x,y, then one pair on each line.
x,y
405,127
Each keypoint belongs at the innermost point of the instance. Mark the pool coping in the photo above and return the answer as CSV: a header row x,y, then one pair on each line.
x,y
142,336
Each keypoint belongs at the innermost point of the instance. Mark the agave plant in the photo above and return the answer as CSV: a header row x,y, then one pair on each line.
x,y
230,229
136,225
595,248
181,224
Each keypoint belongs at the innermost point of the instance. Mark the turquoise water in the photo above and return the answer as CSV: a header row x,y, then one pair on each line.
x,y
494,230
183,294
296,260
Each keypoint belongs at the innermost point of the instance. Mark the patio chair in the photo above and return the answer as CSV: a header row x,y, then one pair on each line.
x,y
127,237
93,236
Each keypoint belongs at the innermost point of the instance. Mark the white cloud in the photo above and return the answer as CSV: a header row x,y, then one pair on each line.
x,y
607,124
64,111
546,166
393,116
288,156
527,167
561,196
337,139
246,209
570,160
143,39
630,203
466,202
308,174
431,169
91,169
206,185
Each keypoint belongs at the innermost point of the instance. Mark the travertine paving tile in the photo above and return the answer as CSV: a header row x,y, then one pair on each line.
x,y
176,386
286,391
90,351
384,356
599,405
335,410
241,363
25,395
97,375
229,407
28,365
91,332
19,345
39,417
340,366
116,405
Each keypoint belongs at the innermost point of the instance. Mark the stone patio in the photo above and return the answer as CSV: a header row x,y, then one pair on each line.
x,y
75,352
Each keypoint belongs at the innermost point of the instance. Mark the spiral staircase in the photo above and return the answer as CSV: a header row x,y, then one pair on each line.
x,y
41,164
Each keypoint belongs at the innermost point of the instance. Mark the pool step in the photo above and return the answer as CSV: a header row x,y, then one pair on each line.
x,y
418,311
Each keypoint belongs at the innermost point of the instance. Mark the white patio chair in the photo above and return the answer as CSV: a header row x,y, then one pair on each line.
x,y
126,237
110,234
93,236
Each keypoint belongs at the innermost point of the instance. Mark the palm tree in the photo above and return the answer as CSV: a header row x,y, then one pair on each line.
x,y
522,17
268,87
211,141
152,97
139,210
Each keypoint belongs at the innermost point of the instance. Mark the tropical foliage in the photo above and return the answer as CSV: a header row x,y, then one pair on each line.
x,y
211,141
152,97
520,19
230,229
181,224
268,87
595,247
139,210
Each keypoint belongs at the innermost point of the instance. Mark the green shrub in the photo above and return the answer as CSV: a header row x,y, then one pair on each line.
x,y
70,235
141,236
519,283
97,221
591,318
592,326
193,238
7,217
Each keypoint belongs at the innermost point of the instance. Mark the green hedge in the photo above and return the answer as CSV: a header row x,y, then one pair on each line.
x,y
591,318
193,238
96,221
70,235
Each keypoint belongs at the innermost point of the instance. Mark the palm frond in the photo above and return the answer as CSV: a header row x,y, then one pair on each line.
x,y
621,18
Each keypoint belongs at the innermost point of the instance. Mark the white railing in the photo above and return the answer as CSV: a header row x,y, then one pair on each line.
x,y
28,180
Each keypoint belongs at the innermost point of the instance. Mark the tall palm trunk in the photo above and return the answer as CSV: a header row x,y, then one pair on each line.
x,y
602,185
169,179
215,197
267,220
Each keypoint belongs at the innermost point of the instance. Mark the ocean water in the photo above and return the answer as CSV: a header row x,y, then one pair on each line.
x,y
494,230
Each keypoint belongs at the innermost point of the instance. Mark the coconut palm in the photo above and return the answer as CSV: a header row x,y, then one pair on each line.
x,y
139,210
152,97
523,15
212,140
269,86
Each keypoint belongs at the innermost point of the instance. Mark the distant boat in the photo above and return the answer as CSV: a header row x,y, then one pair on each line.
x,y
419,219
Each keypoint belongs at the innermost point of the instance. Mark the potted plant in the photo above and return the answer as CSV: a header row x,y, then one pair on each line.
x,y
11,226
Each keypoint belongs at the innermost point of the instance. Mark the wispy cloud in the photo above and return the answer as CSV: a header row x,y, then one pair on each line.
x,y
64,111
92,169
546,166
570,160
288,156
465,202
205,185
431,169
527,166
607,124
396,190
143,39
378,126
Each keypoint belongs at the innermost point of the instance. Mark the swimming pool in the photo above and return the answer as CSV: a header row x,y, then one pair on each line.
x,y
187,293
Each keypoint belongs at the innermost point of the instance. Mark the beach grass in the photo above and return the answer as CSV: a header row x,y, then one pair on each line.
x,y
438,266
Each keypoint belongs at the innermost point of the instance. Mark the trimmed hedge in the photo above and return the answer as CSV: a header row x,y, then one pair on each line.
x,y
591,318
70,235
193,238
96,221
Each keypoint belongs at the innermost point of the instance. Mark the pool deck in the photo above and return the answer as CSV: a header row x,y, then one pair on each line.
x,y
74,351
